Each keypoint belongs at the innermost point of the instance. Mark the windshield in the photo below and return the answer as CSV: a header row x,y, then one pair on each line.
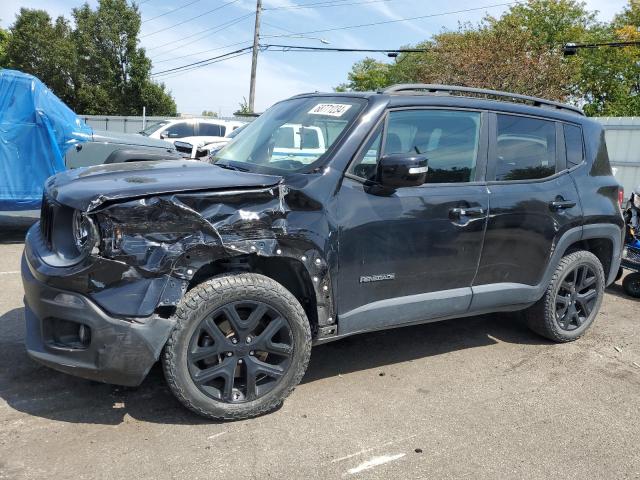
x,y
237,131
152,128
292,134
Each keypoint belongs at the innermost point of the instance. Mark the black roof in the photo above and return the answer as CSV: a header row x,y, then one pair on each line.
x,y
406,95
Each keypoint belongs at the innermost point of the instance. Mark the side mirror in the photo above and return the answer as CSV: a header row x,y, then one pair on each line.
x,y
402,170
164,135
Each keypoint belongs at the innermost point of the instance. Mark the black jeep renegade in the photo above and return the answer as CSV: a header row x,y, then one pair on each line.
x,y
330,215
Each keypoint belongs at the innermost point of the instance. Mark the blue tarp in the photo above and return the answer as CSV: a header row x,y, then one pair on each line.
x,y
36,129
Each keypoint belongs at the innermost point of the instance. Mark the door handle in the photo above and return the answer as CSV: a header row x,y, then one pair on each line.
x,y
466,212
561,205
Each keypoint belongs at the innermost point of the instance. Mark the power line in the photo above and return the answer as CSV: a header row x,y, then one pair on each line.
x,y
190,19
182,72
201,52
302,48
201,62
326,4
170,11
347,27
211,30
572,48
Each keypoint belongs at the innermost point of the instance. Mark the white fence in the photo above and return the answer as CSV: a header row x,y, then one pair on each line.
x,y
623,143
131,124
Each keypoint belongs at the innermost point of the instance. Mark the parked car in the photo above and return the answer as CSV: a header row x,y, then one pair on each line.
x,y
113,147
41,136
196,131
420,204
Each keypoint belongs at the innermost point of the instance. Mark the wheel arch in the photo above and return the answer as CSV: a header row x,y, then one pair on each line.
x,y
311,288
603,240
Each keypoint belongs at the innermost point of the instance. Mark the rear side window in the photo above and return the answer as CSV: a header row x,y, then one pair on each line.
x,y
525,148
574,145
211,130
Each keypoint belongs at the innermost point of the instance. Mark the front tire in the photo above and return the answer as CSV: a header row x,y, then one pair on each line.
x,y
572,300
240,346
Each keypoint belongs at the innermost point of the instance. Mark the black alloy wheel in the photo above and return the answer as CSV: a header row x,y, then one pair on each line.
x,y
576,297
239,352
572,299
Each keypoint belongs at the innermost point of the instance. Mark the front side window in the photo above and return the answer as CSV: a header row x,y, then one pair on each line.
x,y
292,135
180,130
211,130
449,139
525,148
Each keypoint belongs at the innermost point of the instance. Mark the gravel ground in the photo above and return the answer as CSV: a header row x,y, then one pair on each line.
x,y
478,397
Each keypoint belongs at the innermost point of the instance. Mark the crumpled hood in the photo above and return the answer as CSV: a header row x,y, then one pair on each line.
x,y
88,188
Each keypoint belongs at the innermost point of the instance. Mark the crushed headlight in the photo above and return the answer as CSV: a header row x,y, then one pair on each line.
x,y
85,233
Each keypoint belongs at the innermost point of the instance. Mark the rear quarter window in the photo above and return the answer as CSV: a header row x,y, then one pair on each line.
x,y
574,145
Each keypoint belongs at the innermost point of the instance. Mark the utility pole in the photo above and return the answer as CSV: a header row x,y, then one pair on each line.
x,y
254,56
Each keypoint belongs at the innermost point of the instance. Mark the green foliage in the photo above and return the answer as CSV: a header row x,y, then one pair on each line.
x,y
367,75
243,108
4,40
95,67
209,113
609,81
521,51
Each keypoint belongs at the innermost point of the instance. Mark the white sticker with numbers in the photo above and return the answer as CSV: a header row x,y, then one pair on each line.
x,y
330,109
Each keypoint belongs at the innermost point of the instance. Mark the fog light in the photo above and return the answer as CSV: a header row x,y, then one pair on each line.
x,y
68,300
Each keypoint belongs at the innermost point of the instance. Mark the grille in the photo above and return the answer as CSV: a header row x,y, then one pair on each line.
x,y
46,220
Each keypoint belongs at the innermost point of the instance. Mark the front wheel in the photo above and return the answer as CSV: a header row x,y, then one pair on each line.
x,y
631,284
240,346
572,300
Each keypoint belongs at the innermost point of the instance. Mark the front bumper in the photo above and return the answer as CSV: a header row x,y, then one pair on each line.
x,y
110,349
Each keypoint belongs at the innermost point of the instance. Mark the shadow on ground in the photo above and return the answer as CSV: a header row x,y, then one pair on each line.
x,y
36,390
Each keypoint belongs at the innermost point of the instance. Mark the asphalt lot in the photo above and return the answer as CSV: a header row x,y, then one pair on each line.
x,y
479,397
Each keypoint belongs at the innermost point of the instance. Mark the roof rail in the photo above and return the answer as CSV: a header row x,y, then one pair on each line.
x,y
449,89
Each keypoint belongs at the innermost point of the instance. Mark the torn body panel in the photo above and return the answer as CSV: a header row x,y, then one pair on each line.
x,y
152,249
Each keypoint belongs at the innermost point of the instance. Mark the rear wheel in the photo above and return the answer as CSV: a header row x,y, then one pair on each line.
x,y
241,344
631,284
572,300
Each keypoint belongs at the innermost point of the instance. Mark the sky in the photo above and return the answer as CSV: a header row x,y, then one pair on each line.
x,y
228,26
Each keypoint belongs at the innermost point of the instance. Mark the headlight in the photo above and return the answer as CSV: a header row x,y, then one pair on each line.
x,y
85,234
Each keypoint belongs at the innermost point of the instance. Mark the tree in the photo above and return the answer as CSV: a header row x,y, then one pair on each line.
x,y
4,40
609,81
115,71
44,48
95,67
209,113
367,75
521,51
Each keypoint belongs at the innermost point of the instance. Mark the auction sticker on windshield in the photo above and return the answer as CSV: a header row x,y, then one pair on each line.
x,y
330,109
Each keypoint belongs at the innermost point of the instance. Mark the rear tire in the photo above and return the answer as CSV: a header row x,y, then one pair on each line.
x,y
240,346
631,284
572,300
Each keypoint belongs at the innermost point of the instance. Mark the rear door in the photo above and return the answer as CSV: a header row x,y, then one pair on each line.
x,y
411,254
533,202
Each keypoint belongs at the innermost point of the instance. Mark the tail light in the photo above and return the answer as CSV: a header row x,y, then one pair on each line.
x,y
621,198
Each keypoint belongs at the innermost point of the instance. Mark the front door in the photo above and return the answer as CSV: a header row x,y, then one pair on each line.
x,y
413,254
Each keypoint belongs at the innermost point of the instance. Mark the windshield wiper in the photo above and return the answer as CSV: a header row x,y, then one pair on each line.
x,y
231,167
